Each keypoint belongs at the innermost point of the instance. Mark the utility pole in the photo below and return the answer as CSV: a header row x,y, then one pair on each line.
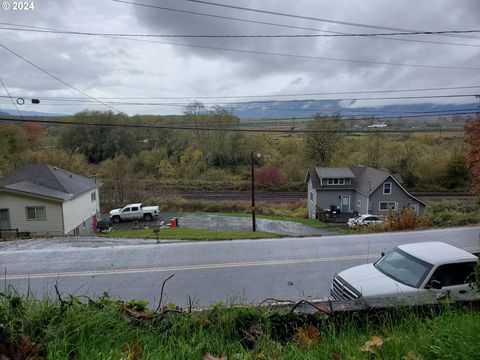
x,y
252,166
252,162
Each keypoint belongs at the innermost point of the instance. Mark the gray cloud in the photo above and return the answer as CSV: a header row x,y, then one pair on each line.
x,y
120,68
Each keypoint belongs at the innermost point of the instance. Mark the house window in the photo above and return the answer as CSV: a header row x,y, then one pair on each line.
x,y
388,205
36,213
311,196
93,196
359,203
387,188
337,181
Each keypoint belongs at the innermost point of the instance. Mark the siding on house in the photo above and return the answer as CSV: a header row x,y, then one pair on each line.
x,y
397,195
325,198
364,186
312,200
79,211
363,199
17,204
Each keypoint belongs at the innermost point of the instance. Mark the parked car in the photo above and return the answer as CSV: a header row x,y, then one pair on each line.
x,y
134,212
412,273
365,220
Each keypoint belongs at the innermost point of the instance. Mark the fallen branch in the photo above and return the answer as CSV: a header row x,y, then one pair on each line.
x,y
309,303
161,293
276,300
59,296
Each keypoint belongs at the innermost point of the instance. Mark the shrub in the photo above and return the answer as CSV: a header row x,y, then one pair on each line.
x,y
268,175
297,209
405,220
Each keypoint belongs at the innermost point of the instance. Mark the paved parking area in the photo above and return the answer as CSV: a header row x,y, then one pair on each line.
x,y
232,223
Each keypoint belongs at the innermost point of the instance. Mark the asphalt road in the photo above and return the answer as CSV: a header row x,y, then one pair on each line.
x,y
228,271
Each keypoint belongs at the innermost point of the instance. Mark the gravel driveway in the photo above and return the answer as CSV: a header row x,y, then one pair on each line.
x,y
234,223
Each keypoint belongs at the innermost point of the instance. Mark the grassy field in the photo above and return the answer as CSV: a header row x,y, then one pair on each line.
x,y
190,234
40,330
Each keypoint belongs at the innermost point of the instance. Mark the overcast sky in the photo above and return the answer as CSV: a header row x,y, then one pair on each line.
x,y
106,67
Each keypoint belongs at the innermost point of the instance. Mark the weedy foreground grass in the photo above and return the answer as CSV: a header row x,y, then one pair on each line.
x,y
101,330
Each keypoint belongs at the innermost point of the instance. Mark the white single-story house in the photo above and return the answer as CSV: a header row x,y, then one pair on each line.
x,y
358,189
43,199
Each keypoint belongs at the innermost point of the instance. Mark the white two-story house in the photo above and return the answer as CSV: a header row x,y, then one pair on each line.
x,y
43,199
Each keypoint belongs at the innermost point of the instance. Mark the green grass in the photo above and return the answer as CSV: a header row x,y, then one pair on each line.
x,y
190,234
85,332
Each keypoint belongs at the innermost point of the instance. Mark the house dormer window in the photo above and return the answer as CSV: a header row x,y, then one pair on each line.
x,y
387,188
338,181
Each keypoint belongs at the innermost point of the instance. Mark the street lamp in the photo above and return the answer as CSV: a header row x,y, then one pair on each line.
x,y
254,156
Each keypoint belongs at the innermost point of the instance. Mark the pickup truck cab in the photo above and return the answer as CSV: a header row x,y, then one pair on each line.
x,y
134,212
412,273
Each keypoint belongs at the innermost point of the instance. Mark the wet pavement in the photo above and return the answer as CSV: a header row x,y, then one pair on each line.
x,y
237,271
207,222
234,223
69,242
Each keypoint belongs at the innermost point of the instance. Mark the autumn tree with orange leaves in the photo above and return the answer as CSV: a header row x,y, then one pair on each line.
x,y
472,129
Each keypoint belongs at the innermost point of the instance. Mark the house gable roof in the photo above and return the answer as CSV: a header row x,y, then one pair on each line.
x,y
46,180
367,179
334,173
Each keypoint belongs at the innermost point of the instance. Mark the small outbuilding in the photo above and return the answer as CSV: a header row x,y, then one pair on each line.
x,y
358,190
42,199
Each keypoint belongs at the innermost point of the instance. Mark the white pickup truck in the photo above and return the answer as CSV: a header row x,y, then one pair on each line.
x,y
134,212
411,273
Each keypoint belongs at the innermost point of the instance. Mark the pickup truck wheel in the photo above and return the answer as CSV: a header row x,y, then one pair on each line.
x,y
116,219
147,217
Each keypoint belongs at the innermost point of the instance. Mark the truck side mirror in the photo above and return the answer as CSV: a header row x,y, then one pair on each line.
x,y
435,284
382,254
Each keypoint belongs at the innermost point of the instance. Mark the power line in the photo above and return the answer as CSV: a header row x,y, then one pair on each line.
x,y
88,33
353,111
13,102
378,118
258,52
281,101
347,111
56,77
214,129
368,26
271,95
280,25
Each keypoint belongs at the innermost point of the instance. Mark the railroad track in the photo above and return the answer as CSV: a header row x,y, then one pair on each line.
x,y
279,196
267,196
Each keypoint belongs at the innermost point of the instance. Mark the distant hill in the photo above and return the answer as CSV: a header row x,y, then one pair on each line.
x,y
308,108
28,113
271,109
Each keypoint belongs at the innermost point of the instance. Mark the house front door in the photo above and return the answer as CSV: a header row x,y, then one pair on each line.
x,y
4,219
345,204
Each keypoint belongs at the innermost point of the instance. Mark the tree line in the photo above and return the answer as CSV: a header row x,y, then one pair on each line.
x,y
124,158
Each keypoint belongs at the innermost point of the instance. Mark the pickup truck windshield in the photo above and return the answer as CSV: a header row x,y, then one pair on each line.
x,y
403,267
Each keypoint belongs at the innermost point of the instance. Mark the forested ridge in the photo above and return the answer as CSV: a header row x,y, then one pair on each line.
x,y
202,149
